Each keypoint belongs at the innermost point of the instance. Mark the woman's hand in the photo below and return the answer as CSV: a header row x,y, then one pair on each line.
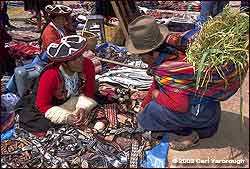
x,y
80,116
77,117
71,119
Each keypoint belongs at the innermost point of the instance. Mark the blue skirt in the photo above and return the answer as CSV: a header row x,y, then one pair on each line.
x,y
203,117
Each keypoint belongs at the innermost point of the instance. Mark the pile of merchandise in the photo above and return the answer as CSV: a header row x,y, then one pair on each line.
x,y
171,5
120,144
178,16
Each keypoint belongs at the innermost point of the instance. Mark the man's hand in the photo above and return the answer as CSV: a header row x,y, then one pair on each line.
x,y
155,94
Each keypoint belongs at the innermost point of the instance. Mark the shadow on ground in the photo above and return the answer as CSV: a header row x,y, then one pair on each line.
x,y
232,132
231,142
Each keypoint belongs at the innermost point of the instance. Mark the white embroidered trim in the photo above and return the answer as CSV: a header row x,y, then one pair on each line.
x,y
57,115
86,103
72,83
57,29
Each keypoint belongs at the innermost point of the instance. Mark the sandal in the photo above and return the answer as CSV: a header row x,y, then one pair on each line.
x,y
179,146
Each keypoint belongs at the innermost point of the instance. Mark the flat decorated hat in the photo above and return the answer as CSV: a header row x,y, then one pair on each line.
x,y
67,48
58,10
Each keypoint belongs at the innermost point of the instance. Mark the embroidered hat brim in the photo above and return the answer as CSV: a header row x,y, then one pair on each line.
x,y
68,48
58,10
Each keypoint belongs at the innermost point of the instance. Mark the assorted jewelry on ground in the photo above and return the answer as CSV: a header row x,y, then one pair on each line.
x,y
120,144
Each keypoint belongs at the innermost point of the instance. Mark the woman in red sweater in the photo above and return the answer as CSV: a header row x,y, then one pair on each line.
x,y
60,25
193,117
65,92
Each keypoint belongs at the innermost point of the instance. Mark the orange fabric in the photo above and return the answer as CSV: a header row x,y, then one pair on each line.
x,y
49,36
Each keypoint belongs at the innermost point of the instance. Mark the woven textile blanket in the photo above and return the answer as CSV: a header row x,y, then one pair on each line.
x,y
21,49
181,77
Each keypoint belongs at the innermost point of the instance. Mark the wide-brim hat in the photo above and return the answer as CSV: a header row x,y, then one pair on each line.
x,y
67,48
58,10
145,35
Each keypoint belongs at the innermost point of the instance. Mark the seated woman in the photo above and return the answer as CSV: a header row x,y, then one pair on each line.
x,y
191,116
69,75
60,25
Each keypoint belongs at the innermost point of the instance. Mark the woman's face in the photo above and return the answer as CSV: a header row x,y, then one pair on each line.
x,y
68,22
75,65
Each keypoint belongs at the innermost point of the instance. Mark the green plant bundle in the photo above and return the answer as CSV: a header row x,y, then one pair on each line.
x,y
222,40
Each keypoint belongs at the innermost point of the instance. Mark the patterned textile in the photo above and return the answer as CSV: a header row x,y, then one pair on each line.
x,y
16,152
108,90
181,76
139,95
137,98
67,147
7,121
111,52
111,111
127,78
20,49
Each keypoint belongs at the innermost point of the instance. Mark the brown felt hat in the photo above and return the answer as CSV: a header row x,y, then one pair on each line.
x,y
145,35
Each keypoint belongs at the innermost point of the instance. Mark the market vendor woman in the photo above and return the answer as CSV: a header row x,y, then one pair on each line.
x,y
60,25
66,88
193,117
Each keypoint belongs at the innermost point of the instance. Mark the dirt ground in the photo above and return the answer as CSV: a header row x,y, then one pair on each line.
x,y
230,142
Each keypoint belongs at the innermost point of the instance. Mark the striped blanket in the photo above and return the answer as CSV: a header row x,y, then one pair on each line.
x,y
25,50
181,76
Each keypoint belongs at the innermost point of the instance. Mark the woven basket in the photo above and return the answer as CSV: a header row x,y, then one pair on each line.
x,y
91,39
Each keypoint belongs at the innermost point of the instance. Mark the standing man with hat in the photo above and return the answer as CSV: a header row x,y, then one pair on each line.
x,y
59,26
168,110
66,88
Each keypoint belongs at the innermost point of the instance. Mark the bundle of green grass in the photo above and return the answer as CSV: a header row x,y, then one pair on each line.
x,y
222,40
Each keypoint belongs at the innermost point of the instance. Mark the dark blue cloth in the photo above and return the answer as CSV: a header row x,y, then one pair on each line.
x,y
7,134
4,17
162,57
203,117
211,8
